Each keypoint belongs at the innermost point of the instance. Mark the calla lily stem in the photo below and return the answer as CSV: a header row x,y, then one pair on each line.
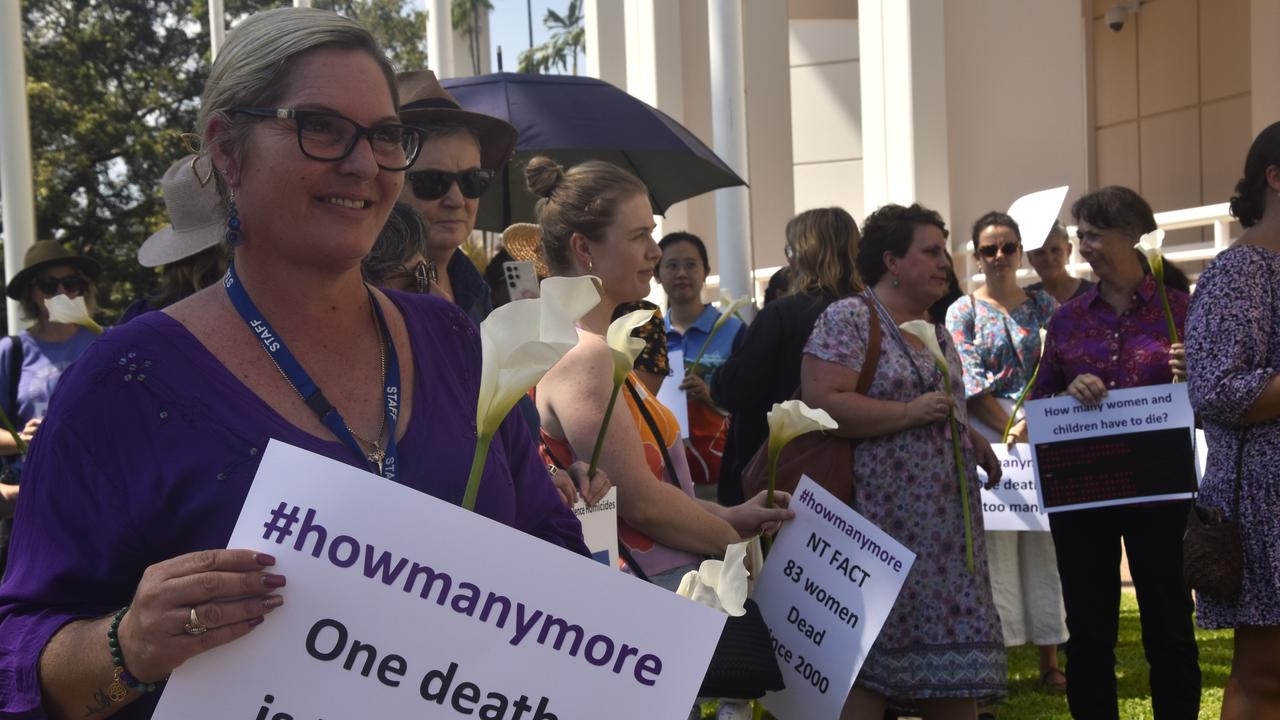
x,y
1022,396
964,474
17,439
604,428
477,469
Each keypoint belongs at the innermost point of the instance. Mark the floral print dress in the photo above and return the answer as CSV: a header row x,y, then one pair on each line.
x,y
942,638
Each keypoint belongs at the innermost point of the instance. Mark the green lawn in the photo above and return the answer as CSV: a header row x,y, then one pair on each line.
x,y
1027,701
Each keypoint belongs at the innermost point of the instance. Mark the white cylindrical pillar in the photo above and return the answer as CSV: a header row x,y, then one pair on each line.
x,y
440,38
15,151
729,132
217,28
606,32
302,3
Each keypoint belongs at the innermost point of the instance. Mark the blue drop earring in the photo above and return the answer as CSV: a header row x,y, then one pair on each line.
x,y
233,221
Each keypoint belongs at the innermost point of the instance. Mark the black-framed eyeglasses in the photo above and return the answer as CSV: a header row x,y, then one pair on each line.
x,y
330,137
71,283
989,251
434,184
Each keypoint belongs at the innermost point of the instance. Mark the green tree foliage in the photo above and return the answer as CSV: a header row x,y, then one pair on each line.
x,y
111,88
468,18
568,39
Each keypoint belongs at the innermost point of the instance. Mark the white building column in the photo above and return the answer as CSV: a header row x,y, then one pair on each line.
x,y
440,37
15,151
606,31
654,67
217,28
904,103
729,129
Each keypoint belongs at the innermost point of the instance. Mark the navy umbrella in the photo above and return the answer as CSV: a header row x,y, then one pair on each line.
x,y
572,119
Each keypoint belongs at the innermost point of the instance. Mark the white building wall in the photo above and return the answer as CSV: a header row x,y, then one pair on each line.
x,y
826,115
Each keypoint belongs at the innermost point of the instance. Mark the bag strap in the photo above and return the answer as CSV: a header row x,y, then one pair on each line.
x,y
15,373
872,359
657,434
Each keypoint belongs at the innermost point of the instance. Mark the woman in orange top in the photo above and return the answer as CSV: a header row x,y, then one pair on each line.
x,y
596,219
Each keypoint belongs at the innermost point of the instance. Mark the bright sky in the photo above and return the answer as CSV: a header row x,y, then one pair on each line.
x,y
509,28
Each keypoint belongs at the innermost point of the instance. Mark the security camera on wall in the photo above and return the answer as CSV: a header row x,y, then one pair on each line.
x,y
1120,12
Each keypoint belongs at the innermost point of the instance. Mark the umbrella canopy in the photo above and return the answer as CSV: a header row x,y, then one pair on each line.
x,y
572,119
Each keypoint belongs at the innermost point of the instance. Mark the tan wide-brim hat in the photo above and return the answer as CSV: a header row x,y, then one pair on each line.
x,y
44,254
523,241
197,217
425,102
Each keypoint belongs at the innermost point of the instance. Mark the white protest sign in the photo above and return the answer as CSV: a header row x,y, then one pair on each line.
x,y
670,394
600,527
1013,504
828,586
1135,447
400,605
1036,213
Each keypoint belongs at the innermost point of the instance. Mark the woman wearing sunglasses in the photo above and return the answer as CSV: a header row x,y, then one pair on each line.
x,y
461,153
996,330
32,361
139,472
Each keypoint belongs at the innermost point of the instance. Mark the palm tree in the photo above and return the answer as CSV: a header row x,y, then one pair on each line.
x,y
468,18
568,38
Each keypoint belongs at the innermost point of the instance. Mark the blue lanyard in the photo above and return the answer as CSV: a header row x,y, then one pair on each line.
x,y
381,461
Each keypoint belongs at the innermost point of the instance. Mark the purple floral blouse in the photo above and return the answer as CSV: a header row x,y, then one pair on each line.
x,y
1129,350
999,350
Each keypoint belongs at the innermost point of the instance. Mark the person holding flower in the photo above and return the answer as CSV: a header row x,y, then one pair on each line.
x,y
137,476
996,329
596,219
1233,357
941,651
1117,335
695,329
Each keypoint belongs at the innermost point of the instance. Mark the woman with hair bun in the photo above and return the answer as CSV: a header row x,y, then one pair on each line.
x,y
595,219
1233,362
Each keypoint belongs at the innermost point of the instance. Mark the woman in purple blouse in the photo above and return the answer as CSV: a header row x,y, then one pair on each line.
x,y
143,461
1115,336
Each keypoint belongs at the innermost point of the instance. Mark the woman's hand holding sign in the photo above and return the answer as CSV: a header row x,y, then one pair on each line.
x,y
1088,390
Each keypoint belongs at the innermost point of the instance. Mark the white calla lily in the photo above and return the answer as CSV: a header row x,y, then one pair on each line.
x,y
63,309
720,584
624,347
791,419
728,307
1150,245
519,342
1152,241
924,332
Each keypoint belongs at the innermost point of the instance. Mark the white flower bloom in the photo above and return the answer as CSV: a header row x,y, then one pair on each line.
x,y
63,309
791,419
720,585
523,339
624,347
924,332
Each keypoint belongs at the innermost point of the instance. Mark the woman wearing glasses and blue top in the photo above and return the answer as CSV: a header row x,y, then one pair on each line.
x,y
138,474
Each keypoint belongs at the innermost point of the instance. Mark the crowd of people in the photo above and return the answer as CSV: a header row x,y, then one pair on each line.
x,y
329,201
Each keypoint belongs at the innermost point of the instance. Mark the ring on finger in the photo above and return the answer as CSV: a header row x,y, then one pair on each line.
x,y
194,626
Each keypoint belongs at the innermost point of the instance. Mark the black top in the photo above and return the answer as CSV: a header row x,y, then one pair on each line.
x,y
764,369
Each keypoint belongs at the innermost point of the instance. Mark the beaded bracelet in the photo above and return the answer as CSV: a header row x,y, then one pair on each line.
x,y
119,676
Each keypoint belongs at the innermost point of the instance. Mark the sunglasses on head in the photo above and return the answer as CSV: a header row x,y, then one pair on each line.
x,y
70,283
434,184
989,251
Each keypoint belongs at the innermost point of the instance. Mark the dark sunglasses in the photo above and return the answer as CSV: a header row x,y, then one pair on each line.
x,y
434,184
989,251
70,283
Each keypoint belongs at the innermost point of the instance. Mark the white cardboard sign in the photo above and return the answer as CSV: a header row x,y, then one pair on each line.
x,y
1013,504
670,394
1136,447
1036,213
401,605
827,588
600,527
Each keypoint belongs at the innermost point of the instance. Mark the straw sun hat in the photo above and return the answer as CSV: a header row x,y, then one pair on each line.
x,y
523,242
424,101
195,211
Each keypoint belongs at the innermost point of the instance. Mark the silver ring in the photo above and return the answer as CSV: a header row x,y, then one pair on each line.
x,y
194,626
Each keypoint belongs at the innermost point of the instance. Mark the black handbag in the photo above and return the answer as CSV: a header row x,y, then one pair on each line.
x,y
1212,555
743,666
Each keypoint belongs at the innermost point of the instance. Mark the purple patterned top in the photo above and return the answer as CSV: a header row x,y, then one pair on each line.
x,y
151,444
1129,350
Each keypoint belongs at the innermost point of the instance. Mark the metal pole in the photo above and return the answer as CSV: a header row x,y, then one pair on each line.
x,y
729,132
529,7
15,151
217,28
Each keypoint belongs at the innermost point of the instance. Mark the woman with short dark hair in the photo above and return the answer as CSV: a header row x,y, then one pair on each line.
x,y
940,651
1115,336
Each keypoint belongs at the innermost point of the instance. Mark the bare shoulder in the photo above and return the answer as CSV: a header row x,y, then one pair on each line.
x,y
590,358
